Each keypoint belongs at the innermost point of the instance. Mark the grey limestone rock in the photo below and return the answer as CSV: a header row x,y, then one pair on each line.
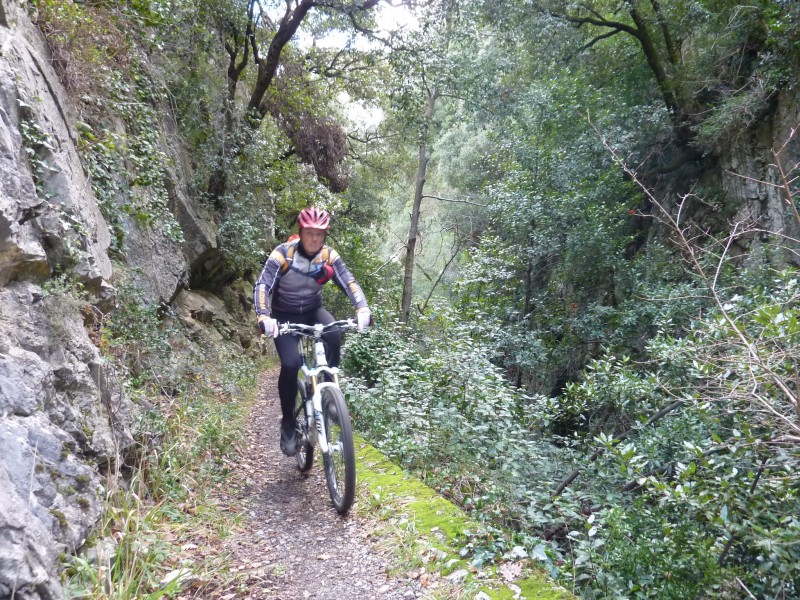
x,y
26,564
60,420
66,422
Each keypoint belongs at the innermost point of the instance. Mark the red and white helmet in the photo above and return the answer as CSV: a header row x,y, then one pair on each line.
x,y
313,217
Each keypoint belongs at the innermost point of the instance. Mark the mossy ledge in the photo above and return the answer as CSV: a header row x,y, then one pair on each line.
x,y
391,493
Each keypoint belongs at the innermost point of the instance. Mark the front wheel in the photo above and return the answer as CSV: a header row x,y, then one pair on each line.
x,y
340,460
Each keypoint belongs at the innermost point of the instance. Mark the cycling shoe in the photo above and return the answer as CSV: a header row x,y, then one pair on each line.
x,y
288,438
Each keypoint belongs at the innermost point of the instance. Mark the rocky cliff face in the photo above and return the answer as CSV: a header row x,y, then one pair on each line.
x,y
65,421
736,186
749,175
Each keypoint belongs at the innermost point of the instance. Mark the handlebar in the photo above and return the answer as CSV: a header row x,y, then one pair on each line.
x,y
316,330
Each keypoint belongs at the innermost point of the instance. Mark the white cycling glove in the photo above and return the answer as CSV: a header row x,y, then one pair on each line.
x,y
268,325
363,317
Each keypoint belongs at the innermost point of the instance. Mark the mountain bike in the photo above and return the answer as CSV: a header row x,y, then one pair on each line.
x,y
321,413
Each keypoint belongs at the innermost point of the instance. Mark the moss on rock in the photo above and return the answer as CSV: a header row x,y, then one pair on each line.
x,y
439,523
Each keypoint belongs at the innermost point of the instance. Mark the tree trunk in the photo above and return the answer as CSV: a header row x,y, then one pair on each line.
x,y
664,72
267,67
293,17
238,49
411,244
662,63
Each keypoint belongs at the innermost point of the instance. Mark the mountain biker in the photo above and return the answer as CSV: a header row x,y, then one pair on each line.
x,y
294,275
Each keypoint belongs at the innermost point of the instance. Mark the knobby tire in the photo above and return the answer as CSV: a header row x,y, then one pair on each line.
x,y
340,461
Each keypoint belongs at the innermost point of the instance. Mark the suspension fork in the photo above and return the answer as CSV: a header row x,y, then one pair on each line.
x,y
321,367
316,399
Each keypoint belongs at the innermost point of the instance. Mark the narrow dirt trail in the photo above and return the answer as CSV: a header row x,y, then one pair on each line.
x,y
293,544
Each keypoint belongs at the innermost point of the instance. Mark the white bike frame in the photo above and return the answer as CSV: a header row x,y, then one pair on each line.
x,y
315,411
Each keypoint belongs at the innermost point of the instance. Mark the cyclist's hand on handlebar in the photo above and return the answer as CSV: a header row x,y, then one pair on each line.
x,y
268,325
363,318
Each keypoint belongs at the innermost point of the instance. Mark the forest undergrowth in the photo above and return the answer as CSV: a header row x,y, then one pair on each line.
x,y
665,473
700,501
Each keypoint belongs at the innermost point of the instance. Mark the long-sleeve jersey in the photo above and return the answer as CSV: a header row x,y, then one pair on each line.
x,y
288,276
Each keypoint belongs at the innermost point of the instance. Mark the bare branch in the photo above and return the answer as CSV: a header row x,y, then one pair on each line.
x,y
599,21
767,183
590,9
392,258
606,35
787,185
691,251
597,453
721,261
744,587
456,251
454,201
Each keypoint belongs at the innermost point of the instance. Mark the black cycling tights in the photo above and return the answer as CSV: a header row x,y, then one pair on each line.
x,y
286,345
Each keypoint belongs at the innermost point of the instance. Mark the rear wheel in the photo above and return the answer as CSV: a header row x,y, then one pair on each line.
x,y
305,450
340,460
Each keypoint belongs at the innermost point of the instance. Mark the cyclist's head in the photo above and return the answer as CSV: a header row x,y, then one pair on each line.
x,y
314,218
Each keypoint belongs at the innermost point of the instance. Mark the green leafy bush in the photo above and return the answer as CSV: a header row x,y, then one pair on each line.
x,y
691,488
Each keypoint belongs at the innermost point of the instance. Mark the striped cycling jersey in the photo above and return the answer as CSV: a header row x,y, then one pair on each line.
x,y
288,276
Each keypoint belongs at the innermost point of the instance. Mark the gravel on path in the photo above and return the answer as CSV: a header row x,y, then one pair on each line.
x,y
293,544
